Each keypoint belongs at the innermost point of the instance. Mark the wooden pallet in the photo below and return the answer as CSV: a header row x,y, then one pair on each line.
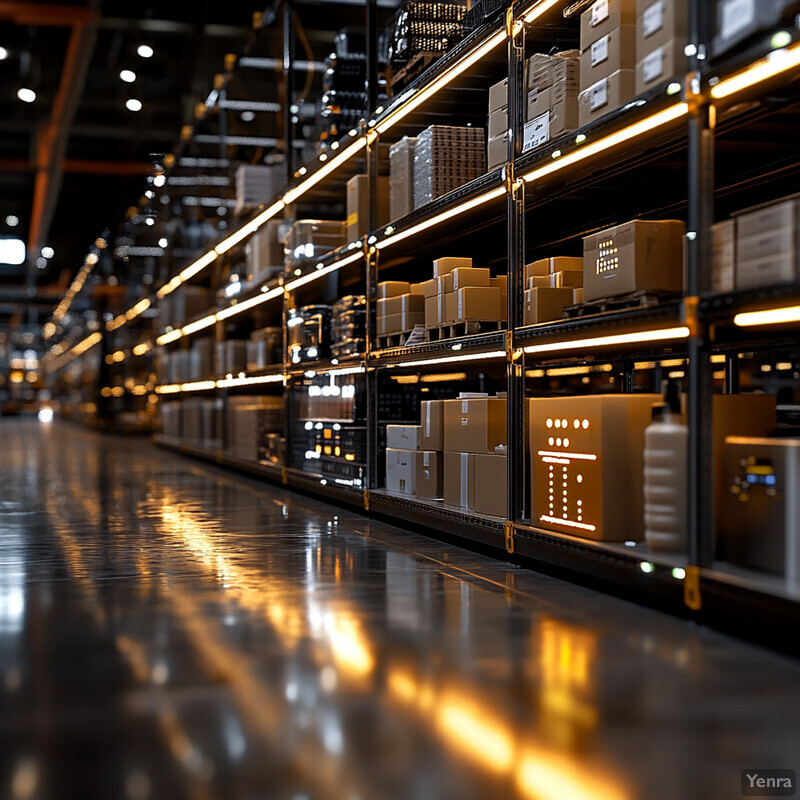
x,y
466,328
607,305
413,68
392,340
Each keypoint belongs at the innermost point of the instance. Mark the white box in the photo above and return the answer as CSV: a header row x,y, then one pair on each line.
x,y
405,437
400,470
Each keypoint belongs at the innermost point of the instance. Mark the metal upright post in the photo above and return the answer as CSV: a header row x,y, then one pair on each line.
x,y
288,78
516,276
372,56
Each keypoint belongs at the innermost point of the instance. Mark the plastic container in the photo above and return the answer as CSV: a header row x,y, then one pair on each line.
x,y
665,481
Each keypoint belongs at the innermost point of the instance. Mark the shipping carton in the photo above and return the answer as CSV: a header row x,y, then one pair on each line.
x,y
609,53
401,467
386,306
410,319
432,428
429,479
723,256
430,288
469,276
459,478
606,95
498,96
498,123
501,282
404,437
604,16
444,283
545,304
480,303
432,318
393,288
658,22
491,485
444,266
658,65
497,151
547,266
572,279
474,425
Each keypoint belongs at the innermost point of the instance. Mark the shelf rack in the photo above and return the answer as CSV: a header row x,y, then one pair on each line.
x,y
675,120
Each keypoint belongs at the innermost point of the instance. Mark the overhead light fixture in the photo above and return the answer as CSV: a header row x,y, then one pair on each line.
x,y
12,221
145,51
162,242
12,251
127,75
772,316
658,335
159,180
776,63
48,252
133,104
198,325
26,95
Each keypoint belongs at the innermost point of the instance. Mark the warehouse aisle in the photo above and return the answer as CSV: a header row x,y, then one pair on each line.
x,y
170,630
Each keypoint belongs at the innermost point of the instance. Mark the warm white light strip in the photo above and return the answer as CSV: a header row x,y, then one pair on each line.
x,y
235,238
312,276
141,349
197,386
540,9
333,163
439,218
226,383
777,62
631,132
197,267
166,338
168,388
575,456
662,334
247,304
569,523
198,325
267,214
453,359
446,77
772,316
86,344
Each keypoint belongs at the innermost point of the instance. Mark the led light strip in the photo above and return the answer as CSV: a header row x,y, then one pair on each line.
x,y
662,334
245,380
539,9
451,359
334,163
776,63
245,305
312,276
772,316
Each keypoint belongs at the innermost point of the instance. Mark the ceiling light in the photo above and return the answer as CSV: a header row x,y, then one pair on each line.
x,y
159,180
162,242
12,221
133,104
128,75
12,251
247,116
26,95
48,252
149,221
145,51
3,54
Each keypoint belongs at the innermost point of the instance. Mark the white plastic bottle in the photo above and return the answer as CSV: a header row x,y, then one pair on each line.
x,y
665,483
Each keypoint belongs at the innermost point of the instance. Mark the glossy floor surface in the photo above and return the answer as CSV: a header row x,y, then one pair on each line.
x,y
171,630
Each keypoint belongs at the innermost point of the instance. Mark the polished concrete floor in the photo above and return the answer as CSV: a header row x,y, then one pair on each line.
x,y
171,630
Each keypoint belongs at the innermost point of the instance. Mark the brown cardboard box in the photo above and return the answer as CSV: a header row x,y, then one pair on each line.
x,y
444,283
412,303
409,319
539,102
538,281
389,325
432,428
723,255
429,483
573,279
498,123
474,425
470,276
400,470
564,115
393,288
498,96
441,313
659,21
459,478
497,151
444,266
480,303
577,296
547,266
543,71
501,282
418,288
606,95
430,288
450,308
636,255
598,493
432,319
605,16
545,304
389,305
610,52
663,62
491,484
358,205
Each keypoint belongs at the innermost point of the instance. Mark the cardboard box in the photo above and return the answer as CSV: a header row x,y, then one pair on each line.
x,y
501,282
498,96
723,256
386,306
469,276
412,303
441,311
418,288
598,493
358,205
498,123
538,282
432,319
393,288
663,62
610,52
410,319
658,22
547,266
766,270
491,485
458,485
474,425
781,214
605,16
429,479
389,324
572,279
450,308
404,437
444,266
444,284
432,428
543,71
736,20
633,256
401,468
545,304
497,151
480,303
539,102
430,288
577,296
401,178
606,95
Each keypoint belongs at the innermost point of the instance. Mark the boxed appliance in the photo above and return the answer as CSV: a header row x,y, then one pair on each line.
x,y
609,53
403,437
587,457
759,525
358,205
400,470
637,255
401,178
491,484
429,479
475,424
458,485
723,255
545,304
432,428
607,95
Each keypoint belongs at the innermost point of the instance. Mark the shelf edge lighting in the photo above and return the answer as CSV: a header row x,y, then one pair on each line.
x,y
334,163
312,276
658,335
86,344
198,325
247,304
453,359
172,336
248,380
540,9
774,64
772,316
632,131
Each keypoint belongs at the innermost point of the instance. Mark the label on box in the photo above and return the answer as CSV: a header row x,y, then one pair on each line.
x,y
464,410
653,18
653,65
736,16
532,94
599,50
537,132
598,95
599,12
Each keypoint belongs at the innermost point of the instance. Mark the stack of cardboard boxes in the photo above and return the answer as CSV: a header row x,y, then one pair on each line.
x,y
552,97
400,307
401,178
662,29
497,144
457,454
550,285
